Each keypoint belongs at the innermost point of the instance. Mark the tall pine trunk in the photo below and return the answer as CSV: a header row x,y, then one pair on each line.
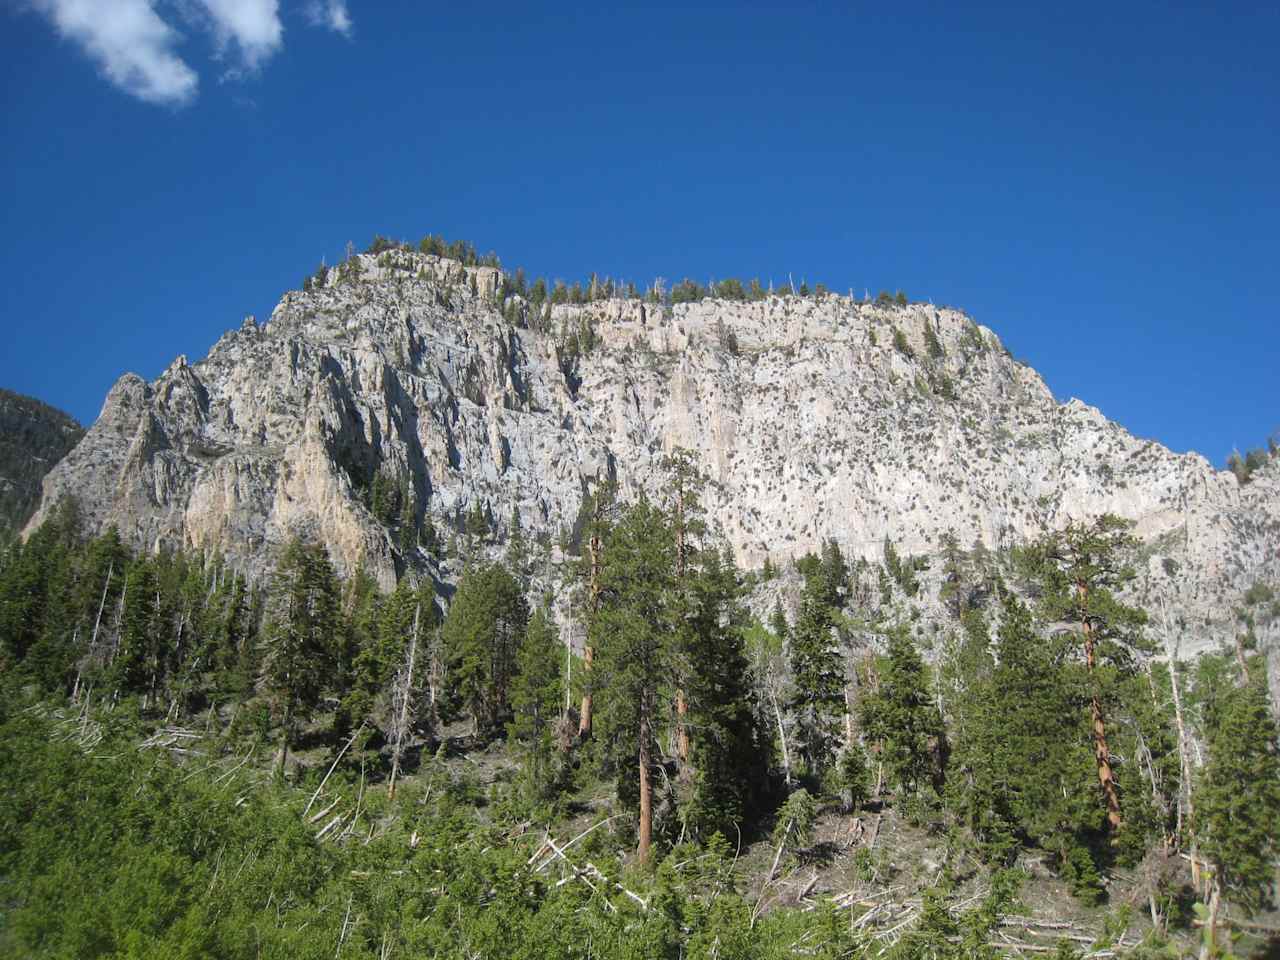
x,y
682,703
1101,752
646,790
593,547
584,719
682,729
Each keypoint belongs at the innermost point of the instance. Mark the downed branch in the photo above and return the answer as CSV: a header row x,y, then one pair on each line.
x,y
589,869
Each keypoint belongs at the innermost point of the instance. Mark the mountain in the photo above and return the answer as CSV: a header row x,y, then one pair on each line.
x,y
815,417
33,437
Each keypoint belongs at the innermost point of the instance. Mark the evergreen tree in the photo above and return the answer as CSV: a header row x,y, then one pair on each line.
x,y
597,507
517,548
854,775
231,639
778,625
730,766
536,694
136,665
903,719
631,636
28,576
483,630
1238,802
1021,768
302,616
475,531
818,671
361,661
685,482
954,591
834,574
1084,567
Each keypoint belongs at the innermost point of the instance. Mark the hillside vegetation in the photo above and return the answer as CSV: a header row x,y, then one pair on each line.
x,y
194,765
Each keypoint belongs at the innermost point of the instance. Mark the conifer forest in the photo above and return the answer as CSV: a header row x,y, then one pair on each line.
x,y
195,765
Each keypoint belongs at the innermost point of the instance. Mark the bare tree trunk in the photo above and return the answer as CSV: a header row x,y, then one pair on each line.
x,y
1185,801
404,693
682,704
848,717
777,857
593,600
283,753
646,791
782,736
584,719
682,730
568,675
93,642
1208,945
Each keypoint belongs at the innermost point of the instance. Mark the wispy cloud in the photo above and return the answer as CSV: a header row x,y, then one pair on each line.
x,y
129,42
252,26
332,14
136,49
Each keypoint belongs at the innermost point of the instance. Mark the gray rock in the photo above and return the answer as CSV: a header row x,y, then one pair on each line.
x,y
810,420
33,437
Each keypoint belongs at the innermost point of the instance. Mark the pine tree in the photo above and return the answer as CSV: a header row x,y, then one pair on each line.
x,y
730,766
1085,565
517,548
481,634
598,510
834,575
475,532
297,643
817,701
1021,768
685,482
631,636
903,719
232,639
535,704
361,661
136,665
1238,803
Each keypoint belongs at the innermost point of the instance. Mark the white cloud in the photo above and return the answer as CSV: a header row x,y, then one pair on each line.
x,y
252,25
130,43
332,14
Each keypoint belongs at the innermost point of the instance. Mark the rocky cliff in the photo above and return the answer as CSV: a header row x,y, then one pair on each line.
x,y
815,417
33,437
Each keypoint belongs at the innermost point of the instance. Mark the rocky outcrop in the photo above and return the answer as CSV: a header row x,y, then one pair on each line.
x,y
33,437
815,417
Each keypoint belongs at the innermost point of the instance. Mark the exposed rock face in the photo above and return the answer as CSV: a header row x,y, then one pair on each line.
x,y
816,418
33,437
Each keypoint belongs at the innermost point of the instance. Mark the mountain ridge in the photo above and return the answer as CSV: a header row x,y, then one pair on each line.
x,y
33,437
814,417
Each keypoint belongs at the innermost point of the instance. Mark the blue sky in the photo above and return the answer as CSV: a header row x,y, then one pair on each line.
x,y
1099,186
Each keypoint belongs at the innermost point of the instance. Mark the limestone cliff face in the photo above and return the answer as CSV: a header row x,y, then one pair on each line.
x,y
33,437
816,418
